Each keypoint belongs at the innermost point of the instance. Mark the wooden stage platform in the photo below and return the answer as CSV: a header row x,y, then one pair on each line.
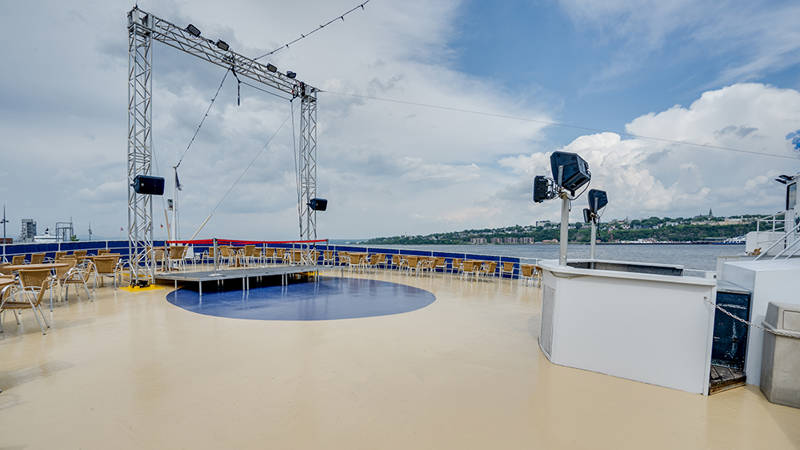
x,y
245,274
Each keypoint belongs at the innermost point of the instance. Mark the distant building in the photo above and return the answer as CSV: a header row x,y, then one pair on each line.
x,y
526,240
28,230
477,241
497,240
543,223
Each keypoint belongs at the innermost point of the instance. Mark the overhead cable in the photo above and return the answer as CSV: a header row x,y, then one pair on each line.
x,y
561,124
303,36
200,125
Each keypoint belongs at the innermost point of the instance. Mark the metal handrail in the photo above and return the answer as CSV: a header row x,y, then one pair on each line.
x,y
773,218
777,241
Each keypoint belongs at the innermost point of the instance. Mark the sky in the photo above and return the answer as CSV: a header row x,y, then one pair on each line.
x,y
622,83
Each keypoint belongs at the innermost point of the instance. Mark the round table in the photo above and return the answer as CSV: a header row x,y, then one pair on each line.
x,y
19,267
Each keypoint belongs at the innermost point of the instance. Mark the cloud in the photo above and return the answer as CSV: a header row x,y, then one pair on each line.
x,y
656,177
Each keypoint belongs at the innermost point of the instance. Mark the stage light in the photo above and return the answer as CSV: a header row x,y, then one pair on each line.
x,y
575,170
222,45
291,74
597,200
145,184
193,30
541,189
272,68
780,180
587,215
318,204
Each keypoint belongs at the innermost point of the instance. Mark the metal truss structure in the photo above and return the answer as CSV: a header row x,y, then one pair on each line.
x,y
143,29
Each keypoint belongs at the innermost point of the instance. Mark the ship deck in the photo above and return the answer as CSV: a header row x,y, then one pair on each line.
x,y
131,370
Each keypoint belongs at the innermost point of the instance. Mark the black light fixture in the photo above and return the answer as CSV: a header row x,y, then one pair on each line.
x,y
542,189
193,30
222,45
272,68
780,180
291,74
597,200
574,170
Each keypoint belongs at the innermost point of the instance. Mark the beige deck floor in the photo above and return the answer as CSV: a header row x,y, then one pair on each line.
x,y
133,371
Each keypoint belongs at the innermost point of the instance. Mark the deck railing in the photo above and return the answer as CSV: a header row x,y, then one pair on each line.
x,y
202,247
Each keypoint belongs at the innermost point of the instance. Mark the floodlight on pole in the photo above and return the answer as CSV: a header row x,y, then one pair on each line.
x,y
272,68
291,74
570,173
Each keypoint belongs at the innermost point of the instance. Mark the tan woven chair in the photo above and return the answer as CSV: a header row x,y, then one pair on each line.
x,y
344,258
3,269
33,283
455,265
398,261
106,266
103,251
17,260
61,274
37,258
507,268
440,263
79,254
176,255
250,255
526,273
59,255
470,269
488,269
79,276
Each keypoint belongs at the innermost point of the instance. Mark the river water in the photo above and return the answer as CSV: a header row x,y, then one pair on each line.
x,y
702,257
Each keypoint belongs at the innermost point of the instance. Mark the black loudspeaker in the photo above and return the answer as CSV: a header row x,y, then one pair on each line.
x,y
597,199
540,189
576,170
318,204
145,184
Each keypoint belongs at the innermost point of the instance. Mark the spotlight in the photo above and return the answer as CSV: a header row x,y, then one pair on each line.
x,y
543,189
597,200
780,180
291,74
575,171
193,30
272,68
222,45
588,216
318,204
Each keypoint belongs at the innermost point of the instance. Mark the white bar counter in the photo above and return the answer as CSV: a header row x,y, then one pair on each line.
x,y
632,322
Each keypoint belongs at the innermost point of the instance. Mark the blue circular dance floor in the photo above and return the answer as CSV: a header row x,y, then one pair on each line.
x,y
329,298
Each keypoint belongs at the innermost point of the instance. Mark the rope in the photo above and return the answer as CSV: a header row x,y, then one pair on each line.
x,y
561,124
303,36
241,176
200,125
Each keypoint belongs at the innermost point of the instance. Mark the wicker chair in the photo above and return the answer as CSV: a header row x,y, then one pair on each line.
x,y
507,269
32,284
79,276
107,266
455,265
470,268
17,260
488,269
103,251
37,258
61,275
176,257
